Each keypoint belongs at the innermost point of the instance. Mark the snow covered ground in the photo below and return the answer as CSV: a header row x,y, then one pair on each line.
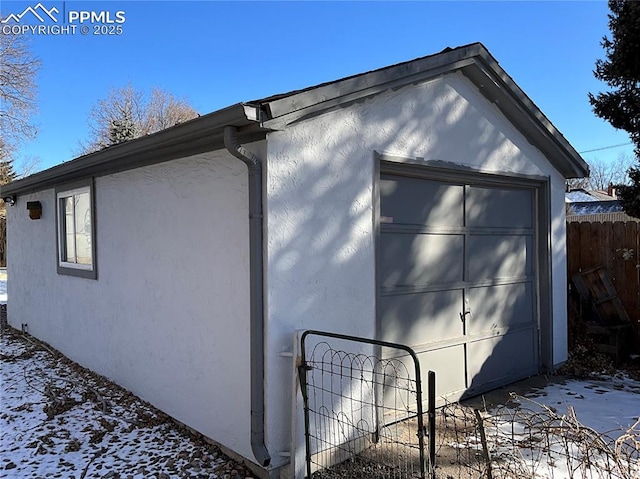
x,y
57,420
574,429
607,405
3,285
553,428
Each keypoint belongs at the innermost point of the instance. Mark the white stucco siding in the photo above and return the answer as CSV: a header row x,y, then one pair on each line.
x,y
30,248
168,316
559,278
321,247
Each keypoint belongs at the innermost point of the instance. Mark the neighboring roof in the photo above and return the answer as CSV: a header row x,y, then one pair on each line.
x,y
594,207
257,117
590,202
581,195
601,195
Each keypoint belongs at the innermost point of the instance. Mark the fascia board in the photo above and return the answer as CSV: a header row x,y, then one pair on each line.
x,y
195,136
311,102
344,99
478,66
499,88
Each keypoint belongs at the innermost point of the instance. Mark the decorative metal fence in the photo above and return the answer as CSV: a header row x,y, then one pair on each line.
x,y
363,409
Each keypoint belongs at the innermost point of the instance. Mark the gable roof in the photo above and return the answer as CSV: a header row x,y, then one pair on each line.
x,y
473,60
256,118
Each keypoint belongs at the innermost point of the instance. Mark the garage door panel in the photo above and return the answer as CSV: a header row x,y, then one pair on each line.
x,y
447,249
421,318
503,256
496,360
420,259
451,360
499,208
499,306
430,202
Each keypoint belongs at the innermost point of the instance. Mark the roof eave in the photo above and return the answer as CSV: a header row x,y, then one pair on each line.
x,y
298,106
525,115
474,61
195,136
206,133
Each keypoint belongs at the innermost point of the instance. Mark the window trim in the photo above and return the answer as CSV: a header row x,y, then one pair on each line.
x,y
75,269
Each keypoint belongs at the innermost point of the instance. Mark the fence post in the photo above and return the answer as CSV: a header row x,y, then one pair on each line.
x,y
302,374
483,440
431,407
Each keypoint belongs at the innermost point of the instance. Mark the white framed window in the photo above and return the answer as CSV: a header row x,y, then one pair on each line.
x,y
75,220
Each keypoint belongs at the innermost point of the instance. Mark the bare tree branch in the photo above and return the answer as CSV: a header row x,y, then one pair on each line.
x,y
27,166
127,113
605,174
18,70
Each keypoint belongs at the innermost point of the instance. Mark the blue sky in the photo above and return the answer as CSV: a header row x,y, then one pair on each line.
x,y
215,54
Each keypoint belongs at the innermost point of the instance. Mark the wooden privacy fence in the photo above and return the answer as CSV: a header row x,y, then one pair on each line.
x,y
614,246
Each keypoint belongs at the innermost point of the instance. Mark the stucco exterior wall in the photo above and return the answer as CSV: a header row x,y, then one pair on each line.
x,y
168,316
320,210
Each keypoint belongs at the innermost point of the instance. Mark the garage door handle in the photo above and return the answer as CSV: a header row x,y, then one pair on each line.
x,y
464,315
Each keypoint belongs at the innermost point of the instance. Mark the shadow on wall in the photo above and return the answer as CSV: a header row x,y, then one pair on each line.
x,y
322,246
459,287
361,404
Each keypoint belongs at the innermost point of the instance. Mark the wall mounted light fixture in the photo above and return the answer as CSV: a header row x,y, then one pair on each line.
x,y
10,200
35,209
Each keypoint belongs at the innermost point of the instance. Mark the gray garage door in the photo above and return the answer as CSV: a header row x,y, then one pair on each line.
x,y
456,279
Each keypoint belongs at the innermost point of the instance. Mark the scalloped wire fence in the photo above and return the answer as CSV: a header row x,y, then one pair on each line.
x,y
364,420
526,439
364,415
